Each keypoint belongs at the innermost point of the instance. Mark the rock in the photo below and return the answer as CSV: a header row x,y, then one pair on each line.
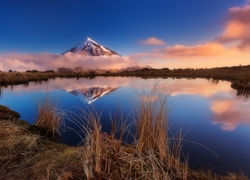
x,y
7,114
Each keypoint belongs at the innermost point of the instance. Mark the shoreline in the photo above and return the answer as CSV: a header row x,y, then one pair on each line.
x,y
239,76
34,155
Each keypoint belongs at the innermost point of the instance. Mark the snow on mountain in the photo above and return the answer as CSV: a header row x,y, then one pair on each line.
x,y
93,93
92,48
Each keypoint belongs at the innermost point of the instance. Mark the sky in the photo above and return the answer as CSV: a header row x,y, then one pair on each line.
x,y
159,33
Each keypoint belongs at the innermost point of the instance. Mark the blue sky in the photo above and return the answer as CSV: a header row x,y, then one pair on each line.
x,y
186,33
55,25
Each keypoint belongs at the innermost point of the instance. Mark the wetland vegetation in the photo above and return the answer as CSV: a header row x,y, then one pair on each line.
x,y
30,151
238,75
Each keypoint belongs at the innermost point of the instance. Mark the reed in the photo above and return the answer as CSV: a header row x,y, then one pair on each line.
x,y
152,121
153,130
152,155
49,117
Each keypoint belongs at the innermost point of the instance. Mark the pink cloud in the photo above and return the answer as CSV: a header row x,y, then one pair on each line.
x,y
228,49
208,49
237,28
212,54
152,41
45,61
236,32
229,113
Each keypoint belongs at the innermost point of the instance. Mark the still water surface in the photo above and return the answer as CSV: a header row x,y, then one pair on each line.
x,y
211,114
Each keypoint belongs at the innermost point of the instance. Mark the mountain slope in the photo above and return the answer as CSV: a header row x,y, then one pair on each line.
x,y
92,48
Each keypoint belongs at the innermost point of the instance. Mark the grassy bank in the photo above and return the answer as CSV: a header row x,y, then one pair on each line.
x,y
12,78
24,155
238,75
227,73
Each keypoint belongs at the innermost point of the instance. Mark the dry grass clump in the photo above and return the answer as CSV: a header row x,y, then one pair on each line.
x,y
14,138
209,175
153,134
152,121
49,117
27,156
152,155
16,145
13,78
7,78
55,162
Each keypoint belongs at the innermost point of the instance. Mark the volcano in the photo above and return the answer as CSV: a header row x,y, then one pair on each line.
x,y
92,48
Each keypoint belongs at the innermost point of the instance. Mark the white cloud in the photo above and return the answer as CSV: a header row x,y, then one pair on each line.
x,y
46,61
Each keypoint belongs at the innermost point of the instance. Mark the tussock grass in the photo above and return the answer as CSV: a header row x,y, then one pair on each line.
x,y
152,155
13,77
153,134
224,73
7,78
209,175
152,121
15,144
49,117
27,156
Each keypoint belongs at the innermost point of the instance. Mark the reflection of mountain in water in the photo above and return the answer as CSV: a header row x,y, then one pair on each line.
x,y
93,93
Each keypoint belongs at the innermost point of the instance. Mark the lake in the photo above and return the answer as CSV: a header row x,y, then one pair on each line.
x,y
214,118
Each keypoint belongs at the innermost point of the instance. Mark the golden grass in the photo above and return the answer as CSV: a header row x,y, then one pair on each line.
x,y
153,131
49,117
209,175
15,144
27,156
228,73
152,155
152,122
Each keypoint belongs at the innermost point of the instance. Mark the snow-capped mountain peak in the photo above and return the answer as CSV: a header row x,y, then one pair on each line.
x,y
92,48
89,40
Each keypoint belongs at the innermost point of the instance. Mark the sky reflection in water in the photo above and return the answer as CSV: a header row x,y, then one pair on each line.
x,y
209,112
